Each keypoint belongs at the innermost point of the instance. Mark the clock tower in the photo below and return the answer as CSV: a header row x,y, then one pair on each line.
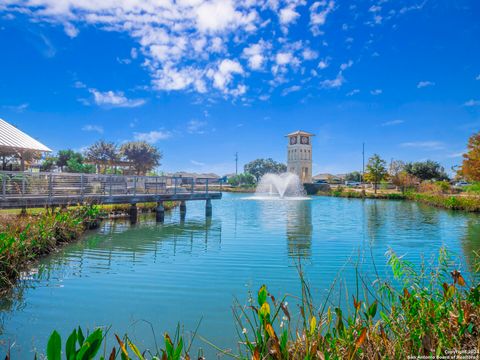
x,y
299,155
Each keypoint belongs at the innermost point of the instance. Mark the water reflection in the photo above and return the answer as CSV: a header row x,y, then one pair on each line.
x,y
299,229
181,271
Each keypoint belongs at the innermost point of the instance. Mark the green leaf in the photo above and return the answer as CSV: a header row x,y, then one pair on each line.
x,y
262,295
135,349
70,351
168,346
178,350
54,347
80,336
372,310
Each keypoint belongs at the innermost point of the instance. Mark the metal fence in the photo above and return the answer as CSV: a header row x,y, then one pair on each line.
x,y
48,185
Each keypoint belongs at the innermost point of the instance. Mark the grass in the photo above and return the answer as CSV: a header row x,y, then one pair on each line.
x,y
426,311
25,238
467,202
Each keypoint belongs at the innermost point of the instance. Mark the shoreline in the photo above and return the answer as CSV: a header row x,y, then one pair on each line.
x,y
443,201
24,239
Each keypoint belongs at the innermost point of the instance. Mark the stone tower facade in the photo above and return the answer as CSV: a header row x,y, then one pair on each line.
x,y
299,155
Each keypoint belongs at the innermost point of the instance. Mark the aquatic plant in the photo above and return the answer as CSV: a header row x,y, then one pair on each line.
x,y
24,238
423,311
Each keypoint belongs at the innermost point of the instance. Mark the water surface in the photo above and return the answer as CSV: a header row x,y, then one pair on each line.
x,y
183,271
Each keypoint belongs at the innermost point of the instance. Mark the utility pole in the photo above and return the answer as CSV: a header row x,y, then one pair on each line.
x,y
363,162
236,163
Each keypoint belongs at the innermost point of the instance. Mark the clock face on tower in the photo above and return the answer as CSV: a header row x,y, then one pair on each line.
x,y
304,140
293,140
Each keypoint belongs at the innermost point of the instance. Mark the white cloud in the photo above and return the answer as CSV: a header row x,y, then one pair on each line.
x,y
183,43
152,136
290,89
478,77
422,84
197,163
427,145
197,127
376,91
353,92
70,30
17,108
333,83
114,99
323,64
472,102
392,122
93,128
283,58
346,65
288,15
318,14
223,76
309,54
255,54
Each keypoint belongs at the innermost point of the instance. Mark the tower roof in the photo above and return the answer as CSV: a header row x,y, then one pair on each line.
x,y
300,132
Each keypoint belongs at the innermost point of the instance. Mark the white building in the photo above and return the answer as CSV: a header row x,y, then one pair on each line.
x,y
299,155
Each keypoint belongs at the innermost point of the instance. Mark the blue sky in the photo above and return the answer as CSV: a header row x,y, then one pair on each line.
x,y
203,79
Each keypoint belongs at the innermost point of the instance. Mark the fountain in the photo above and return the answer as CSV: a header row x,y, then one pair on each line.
x,y
280,186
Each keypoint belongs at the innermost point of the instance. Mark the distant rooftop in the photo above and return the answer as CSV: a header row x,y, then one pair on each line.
x,y
13,138
300,132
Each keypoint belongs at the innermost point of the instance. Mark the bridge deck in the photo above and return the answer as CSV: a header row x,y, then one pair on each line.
x,y
20,189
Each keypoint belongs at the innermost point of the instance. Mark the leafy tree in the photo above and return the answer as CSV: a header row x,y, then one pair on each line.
x,y
396,172
353,176
471,160
242,179
64,156
74,165
102,153
376,171
48,164
6,156
426,170
260,167
142,156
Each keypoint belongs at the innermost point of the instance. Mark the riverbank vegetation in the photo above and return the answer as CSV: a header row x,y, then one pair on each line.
x,y
427,310
25,238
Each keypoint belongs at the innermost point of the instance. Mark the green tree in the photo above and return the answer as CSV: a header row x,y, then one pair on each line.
x,y
471,160
76,165
245,179
426,170
102,153
48,164
376,171
64,156
353,176
260,167
142,156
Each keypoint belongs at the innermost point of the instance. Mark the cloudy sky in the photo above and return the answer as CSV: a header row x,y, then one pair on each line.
x,y
203,79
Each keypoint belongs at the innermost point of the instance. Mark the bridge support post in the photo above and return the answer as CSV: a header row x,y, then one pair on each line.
x,y
133,213
183,209
160,212
208,208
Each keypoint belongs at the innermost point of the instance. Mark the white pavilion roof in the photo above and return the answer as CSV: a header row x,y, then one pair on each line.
x,y
13,138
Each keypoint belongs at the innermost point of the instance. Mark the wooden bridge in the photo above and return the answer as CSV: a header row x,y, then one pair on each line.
x,y
41,189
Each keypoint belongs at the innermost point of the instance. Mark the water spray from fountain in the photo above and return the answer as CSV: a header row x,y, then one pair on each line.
x,y
285,185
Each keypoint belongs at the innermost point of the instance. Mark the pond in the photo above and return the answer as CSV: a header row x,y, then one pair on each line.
x,y
129,277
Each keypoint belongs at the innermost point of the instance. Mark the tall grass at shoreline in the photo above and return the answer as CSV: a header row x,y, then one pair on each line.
x,y
428,311
25,238
470,203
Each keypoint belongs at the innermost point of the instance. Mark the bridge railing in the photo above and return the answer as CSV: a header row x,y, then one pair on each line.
x,y
43,184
